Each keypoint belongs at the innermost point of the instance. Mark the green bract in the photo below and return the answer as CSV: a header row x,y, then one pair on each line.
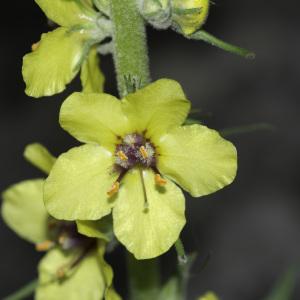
x,y
136,152
74,267
59,55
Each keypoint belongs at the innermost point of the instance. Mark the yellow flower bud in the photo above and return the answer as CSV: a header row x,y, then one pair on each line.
x,y
189,15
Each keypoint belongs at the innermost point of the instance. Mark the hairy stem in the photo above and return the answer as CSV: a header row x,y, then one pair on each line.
x,y
130,45
182,258
132,63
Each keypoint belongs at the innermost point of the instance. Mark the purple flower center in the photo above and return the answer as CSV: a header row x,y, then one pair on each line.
x,y
65,234
135,150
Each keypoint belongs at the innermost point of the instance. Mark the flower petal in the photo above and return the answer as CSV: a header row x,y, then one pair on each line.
x,y
77,186
54,63
147,233
156,108
67,12
92,79
84,282
100,229
39,156
111,294
108,274
94,118
198,159
24,212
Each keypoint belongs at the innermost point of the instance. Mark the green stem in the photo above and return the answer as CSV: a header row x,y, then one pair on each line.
x,y
131,63
23,292
130,46
245,129
184,271
206,37
182,258
144,278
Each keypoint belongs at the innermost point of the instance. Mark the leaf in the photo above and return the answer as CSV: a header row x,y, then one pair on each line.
x,y
212,40
284,288
246,129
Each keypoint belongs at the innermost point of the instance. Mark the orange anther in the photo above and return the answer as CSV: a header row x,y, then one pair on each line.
x,y
62,238
144,152
44,246
114,189
60,272
122,155
159,180
35,46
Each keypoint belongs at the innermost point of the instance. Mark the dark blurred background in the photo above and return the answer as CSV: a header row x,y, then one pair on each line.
x,y
250,229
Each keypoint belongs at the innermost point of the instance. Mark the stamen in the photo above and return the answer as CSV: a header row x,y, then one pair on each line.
x,y
35,46
144,152
122,155
159,180
63,270
44,246
61,273
114,189
62,238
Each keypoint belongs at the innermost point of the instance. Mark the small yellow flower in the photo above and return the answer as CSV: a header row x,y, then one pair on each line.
x,y
136,153
73,266
60,54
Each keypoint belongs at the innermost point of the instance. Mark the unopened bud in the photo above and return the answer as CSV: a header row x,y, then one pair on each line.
x,y
156,12
189,15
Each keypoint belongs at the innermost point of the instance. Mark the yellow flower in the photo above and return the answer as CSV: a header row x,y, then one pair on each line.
x,y
74,265
136,153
